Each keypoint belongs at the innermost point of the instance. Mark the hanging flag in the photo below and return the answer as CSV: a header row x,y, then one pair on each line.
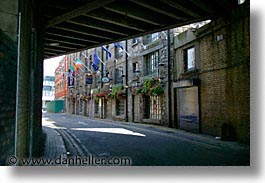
x,y
71,80
96,59
78,63
72,68
75,67
106,50
95,67
118,45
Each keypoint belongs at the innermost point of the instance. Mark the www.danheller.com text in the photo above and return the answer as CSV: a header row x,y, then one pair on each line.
x,y
74,161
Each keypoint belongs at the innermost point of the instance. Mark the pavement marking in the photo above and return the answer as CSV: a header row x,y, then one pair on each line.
x,y
83,123
122,131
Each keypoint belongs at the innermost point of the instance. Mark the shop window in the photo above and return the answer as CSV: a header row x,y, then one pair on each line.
x,y
152,107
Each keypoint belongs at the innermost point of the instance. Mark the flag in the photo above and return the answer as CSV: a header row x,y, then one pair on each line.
x,y
78,63
72,68
71,80
96,59
107,51
76,68
118,45
94,66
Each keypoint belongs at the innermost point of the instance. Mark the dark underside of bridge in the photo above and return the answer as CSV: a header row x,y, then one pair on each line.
x,y
74,25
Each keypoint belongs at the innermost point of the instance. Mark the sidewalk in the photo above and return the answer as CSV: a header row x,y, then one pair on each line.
x,y
198,138
54,145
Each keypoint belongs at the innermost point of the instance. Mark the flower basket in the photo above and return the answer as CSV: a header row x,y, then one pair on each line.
x,y
152,87
136,90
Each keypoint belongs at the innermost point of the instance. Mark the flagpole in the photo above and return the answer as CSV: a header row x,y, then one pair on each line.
x,y
128,54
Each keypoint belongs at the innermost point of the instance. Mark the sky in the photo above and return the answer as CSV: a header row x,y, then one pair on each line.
x,y
50,65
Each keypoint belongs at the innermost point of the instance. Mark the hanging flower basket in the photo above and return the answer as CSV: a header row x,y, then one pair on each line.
x,y
121,94
116,91
136,90
151,87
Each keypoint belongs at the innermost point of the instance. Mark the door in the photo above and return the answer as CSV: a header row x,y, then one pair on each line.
x,y
188,109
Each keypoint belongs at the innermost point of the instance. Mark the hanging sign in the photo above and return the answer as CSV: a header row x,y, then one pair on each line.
x,y
105,80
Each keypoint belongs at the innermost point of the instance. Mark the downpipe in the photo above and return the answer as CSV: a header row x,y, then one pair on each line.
x,y
17,89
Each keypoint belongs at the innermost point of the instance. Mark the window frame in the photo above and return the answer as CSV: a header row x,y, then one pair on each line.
x,y
151,61
187,59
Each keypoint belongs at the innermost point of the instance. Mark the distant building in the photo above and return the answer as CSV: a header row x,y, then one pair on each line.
x,y
61,73
47,90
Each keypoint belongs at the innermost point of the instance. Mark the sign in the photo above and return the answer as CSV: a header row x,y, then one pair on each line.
x,y
105,80
89,80
71,80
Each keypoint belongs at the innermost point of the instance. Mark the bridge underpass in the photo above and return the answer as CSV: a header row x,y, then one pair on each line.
x,y
35,30
71,27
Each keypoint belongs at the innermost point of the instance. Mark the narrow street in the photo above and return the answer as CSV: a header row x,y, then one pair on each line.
x,y
144,145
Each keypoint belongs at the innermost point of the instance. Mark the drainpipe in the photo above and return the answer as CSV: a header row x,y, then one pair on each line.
x,y
126,81
169,80
17,89
32,92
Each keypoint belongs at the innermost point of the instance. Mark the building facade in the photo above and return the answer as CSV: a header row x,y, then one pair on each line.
x,y
194,78
61,86
211,80
47,90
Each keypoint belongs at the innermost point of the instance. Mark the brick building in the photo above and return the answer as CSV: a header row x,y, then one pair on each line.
x,y
211,78
60,82
194,78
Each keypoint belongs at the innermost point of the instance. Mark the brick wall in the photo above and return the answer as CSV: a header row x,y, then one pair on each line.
x,y
8,60
24,83
225,76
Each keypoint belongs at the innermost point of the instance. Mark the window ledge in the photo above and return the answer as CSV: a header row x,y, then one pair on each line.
x,y
188,74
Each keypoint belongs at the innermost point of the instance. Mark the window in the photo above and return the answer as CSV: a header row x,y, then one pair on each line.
x,y
120,106
151,38
189,59
135,67
147,107
118,75
152,107
151,63
81,106
155,36
96,106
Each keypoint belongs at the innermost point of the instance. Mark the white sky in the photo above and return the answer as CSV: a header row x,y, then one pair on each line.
x,y
50,65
